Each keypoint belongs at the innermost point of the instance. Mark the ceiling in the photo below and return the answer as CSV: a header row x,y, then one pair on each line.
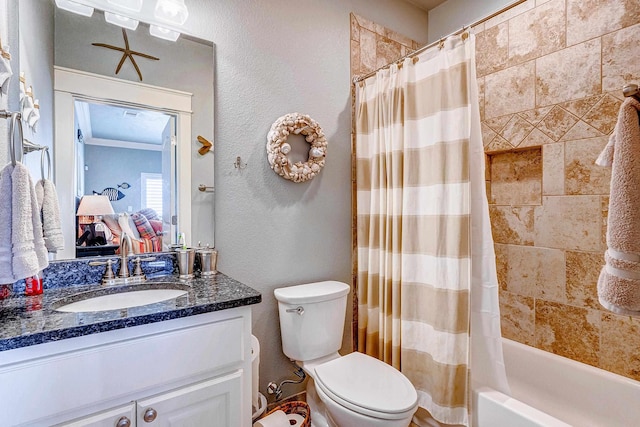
x,y
110,122
426,4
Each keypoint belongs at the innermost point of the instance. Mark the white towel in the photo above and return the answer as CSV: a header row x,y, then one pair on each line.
x,y
28,249
6,270
47,198
39,187
619,281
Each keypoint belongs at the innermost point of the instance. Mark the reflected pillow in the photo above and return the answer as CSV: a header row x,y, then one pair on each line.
x,y
112,223
149,213
143,226
157,226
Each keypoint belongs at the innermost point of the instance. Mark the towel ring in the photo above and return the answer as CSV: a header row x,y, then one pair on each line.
x,y
15,119
45,151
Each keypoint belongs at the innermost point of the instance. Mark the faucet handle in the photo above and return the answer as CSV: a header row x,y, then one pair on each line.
x,y
137,271
108,275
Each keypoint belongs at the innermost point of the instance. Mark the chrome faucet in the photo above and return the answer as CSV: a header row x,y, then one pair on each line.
x,y
123,276
125,251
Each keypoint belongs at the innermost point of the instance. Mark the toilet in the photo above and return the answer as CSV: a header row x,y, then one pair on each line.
x,y
355,390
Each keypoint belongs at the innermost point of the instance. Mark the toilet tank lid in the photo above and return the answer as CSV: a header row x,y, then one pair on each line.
x,y
312,292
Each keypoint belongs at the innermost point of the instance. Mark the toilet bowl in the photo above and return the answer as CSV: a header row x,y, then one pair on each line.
x,y
355,390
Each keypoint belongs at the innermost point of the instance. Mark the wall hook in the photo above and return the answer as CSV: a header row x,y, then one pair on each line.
x,y
206,188
238,164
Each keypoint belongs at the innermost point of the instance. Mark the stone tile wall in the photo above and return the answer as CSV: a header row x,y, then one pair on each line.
x,y
550,75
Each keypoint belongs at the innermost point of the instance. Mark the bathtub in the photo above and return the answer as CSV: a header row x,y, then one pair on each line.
x,y
553,391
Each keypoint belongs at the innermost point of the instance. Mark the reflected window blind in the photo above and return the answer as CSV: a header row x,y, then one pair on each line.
x,y
152,191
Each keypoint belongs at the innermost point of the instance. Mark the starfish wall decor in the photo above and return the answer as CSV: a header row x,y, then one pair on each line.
x,y
127,53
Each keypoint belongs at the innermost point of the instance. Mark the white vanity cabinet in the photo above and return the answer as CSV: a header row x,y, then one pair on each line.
x,y
192,371
122,416
213,403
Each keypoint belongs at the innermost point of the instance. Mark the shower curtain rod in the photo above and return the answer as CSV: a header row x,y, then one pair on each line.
x,y
357,79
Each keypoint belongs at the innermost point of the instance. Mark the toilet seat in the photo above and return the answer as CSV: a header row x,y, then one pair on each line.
x,y
367,386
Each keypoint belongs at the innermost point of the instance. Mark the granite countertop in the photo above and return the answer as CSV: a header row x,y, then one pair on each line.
x,y
30,320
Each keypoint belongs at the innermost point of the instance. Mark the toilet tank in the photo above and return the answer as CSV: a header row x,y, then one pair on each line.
x,y
315,329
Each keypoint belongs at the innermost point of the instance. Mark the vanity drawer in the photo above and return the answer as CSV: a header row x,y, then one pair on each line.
x,y
43,388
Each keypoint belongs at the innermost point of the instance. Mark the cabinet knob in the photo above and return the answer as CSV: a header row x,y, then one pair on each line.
x,y
123,422
150,415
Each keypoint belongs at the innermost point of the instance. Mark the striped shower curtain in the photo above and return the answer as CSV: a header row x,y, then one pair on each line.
x,y
417,125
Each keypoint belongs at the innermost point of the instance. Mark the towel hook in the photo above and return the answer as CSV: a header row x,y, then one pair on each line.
x,y
631,90
45,151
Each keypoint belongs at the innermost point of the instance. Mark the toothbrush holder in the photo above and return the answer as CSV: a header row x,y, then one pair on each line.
x,y
186,258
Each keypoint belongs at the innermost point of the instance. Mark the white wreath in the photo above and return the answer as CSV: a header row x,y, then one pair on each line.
x,y
278,148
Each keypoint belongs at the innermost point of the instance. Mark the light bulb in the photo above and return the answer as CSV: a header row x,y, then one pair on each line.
x,y
121,21
171,11
163,33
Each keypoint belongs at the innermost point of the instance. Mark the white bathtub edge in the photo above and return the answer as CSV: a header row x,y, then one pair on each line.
x,y
492,408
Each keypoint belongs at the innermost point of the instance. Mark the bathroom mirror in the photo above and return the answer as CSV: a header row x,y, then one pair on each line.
x,y
184,70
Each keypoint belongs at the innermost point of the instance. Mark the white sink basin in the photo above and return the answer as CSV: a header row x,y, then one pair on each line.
x,y
122,300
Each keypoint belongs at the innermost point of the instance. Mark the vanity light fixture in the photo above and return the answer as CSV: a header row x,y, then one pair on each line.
x,y
133,5
121,21
165,17
163,33
171,11
75,7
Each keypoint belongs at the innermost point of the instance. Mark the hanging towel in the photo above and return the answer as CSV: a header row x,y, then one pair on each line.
x,y
47,199
6,270
39,187
28,249
619,281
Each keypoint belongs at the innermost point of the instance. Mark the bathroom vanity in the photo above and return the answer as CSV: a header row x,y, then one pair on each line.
x,y
186,360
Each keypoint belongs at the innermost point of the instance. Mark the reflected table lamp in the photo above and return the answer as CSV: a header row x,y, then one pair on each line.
x,y
92,208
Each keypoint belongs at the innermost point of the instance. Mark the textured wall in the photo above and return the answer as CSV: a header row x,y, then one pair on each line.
x,y
551,75
272,58
451,15
10,101
36,60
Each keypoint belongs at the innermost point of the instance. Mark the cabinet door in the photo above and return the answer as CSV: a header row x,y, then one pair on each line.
x,y
122,416
211,403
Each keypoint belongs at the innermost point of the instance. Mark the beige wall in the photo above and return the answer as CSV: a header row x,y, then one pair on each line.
x,y
551,75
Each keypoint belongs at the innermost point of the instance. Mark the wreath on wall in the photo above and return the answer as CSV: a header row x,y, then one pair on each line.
x,y
278,148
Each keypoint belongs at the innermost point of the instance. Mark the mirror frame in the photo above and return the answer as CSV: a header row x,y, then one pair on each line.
x,y
70,85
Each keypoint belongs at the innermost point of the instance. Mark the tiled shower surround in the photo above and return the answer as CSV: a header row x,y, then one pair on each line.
x,y
550,75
